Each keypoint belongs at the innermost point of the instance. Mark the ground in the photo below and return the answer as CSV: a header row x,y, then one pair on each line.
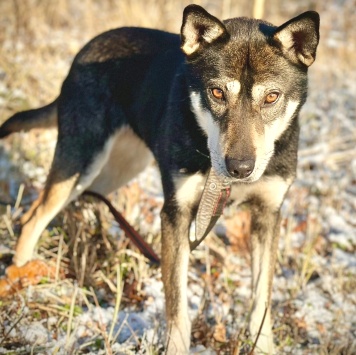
x,y
97,293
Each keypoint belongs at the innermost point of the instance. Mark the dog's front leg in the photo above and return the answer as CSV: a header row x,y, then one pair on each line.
x,y
265,224
175,259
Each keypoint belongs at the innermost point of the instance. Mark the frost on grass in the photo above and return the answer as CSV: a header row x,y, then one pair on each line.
x,y
313,299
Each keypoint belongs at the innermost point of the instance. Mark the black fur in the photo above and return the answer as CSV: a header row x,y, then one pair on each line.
x,y
198,101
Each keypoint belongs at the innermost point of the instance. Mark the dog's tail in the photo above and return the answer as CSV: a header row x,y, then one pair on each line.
x,y
44,117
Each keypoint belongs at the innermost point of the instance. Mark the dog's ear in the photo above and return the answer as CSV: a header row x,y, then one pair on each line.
x,y
199,28
299,37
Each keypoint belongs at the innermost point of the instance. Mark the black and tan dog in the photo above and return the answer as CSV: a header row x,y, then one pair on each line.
x,y
224,96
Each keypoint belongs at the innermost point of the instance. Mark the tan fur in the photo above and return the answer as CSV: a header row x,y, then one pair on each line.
x,y
174,264
123,157
128,156
48,204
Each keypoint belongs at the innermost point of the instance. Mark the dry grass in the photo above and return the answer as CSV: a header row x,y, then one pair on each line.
x,y
38,39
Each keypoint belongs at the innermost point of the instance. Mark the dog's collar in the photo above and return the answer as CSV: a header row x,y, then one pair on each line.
x,y
214,197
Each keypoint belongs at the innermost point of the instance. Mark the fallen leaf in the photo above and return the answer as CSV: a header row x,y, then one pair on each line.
x,y
31,273
301,323
238,232
321,328
220,333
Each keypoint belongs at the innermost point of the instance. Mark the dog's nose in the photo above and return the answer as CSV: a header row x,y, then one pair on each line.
x,y
239,169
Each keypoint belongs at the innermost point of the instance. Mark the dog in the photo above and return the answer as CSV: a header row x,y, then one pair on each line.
x,y
224,96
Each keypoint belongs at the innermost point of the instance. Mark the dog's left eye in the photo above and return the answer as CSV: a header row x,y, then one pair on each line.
x,y
271,98
218,93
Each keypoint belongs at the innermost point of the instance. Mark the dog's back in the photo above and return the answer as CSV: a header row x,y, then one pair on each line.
x,y
129,68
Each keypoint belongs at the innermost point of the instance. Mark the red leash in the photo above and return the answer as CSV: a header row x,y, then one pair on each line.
x,y
144,248
215,195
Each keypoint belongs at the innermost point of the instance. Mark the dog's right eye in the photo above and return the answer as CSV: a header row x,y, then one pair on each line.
x,y
218,93
271,98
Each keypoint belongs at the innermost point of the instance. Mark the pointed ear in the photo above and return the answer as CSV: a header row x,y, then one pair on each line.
x,y
299,37
199,28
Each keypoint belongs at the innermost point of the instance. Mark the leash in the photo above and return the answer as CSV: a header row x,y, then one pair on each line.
x,y
214,197
140,243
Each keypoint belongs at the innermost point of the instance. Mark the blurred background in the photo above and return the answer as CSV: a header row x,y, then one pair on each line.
x,y
314,290
38,38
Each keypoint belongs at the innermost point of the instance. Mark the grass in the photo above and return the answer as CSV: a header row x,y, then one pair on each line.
x,y
38,39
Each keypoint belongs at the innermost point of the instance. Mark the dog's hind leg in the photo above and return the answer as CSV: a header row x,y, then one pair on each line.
x,y
42,211
69,177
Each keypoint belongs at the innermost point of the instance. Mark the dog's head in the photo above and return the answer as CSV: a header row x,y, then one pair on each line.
x,y
248,80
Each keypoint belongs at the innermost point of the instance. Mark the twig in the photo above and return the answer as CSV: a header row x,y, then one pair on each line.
x,y
259,332
124,321
8,225
133,333
59,257
71,312
58,310
102,326
119,290
110,284
36,350
88,343
19,196
209,285
258,8
13,326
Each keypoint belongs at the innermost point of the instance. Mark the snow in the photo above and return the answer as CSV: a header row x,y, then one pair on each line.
x,y
323,196
35,334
